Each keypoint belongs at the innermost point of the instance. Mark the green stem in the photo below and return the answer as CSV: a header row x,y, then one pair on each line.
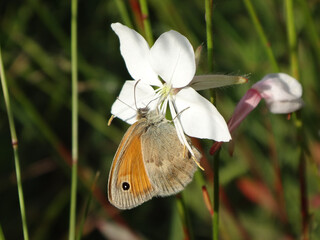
x,y
292,40
261,34
208,6
146,21
74,172
14,141
215,216
216,188
124,13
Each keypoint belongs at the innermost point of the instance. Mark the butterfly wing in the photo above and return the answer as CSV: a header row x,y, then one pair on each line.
x,y
129,184
169,164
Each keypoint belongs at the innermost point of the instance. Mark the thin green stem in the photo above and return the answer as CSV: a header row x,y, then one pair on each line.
x,y
14,141
124,13
215,215
146,21
216,195
74,68
208,6
292,40
261,34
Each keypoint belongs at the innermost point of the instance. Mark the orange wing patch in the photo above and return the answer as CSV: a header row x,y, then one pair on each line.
x,y
132,169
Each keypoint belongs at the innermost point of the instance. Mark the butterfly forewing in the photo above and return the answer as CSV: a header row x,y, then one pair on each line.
x,y
129,184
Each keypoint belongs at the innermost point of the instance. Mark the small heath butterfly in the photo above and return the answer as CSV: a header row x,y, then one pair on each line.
x,y
150,161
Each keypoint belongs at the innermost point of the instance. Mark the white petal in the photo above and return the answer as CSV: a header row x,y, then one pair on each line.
x,y
172,58
199,118
279,87
133,95
285,107
135,52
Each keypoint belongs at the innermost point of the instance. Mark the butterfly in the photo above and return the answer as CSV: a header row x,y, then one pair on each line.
x,y
150,161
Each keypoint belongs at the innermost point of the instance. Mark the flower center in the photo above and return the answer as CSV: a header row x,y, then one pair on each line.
x,y
165,91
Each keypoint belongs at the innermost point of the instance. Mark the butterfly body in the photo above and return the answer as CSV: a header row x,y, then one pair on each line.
x,y
150,161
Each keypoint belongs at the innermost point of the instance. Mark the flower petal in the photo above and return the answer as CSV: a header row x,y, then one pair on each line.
x,y
135,52
199,118
285,107
133,95
247,103
172,58
279,87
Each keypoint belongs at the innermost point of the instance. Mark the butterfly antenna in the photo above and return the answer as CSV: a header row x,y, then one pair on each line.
x,y
179,113
153,100
126,104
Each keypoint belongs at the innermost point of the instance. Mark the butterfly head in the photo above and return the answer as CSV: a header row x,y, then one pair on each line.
x,y
142,112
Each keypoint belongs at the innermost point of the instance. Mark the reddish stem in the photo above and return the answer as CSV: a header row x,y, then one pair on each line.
x,y
136,10
207,200
303,197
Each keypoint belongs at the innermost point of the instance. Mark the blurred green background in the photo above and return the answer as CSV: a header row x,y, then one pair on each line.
x,y
35,41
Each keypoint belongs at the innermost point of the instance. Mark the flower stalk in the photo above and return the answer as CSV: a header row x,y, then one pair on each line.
x,y
123,12
292,42
216,187
146,21
74,171
208,10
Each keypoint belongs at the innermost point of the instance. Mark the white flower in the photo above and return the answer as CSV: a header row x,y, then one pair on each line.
x,y
281,92
170,66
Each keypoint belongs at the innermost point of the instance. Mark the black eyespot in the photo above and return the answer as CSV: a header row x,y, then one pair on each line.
x,y
125,186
